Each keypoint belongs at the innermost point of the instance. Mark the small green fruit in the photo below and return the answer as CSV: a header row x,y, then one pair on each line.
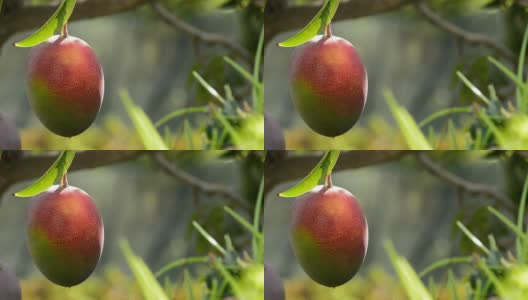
x,y
65,85
65,235
328,84
329,235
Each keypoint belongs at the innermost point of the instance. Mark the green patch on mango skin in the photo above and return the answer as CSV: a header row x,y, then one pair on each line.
x,y
322,266
58,266
50,111
319,115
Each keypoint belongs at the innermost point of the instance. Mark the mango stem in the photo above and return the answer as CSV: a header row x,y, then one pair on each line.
x,y
64,181
64,31
328,181
328,31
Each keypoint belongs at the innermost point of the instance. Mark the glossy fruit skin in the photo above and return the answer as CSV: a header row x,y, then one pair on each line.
x,y
9,136
328,84
273,287
329,235
273,136
65,235
65,85
9,284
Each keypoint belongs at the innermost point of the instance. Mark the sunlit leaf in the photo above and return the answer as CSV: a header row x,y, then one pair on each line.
x,y
473,238
209,238
412,134
147,132
258,93
473,88
147,282
412,284
52,175
55,23
315,26
323,168
181,112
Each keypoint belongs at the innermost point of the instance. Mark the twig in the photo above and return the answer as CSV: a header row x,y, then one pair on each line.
x,y
464,185
25,167
467,36
206,37
24,16
285,166
205,187
280,17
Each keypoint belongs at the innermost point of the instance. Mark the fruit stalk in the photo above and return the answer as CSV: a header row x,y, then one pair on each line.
x,y
64,31
328,31
64,181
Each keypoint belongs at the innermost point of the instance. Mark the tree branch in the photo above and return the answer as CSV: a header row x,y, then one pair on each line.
x,y
26,17
280,17
203,186
27,167
464,185
203,36
279,169
466,36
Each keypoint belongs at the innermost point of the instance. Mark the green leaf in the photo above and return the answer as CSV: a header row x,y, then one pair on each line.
x,y
257,244
445,262
412,134
472,237
209,238
243,222
147,282
56,22
209,88
1,2
181,112
473,88
258,94
316,25
54,173
521,104
255,81
522,247
412,284
443,113
148,134
323,169
182,262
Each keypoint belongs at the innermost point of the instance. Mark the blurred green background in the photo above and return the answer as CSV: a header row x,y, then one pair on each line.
x,y
403,52
405,204
153,211
139,52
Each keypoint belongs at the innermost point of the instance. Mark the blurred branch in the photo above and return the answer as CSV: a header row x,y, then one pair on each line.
x,y
280,167
18,15
26,166
203,36
203,186
466,36
464,185
280,17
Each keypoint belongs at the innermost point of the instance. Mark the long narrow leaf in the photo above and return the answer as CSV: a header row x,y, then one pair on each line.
x,y
412,134
56,22
323,168
181,112
258,94
472,237
315,26
412,284
148,284
147,132
52,175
